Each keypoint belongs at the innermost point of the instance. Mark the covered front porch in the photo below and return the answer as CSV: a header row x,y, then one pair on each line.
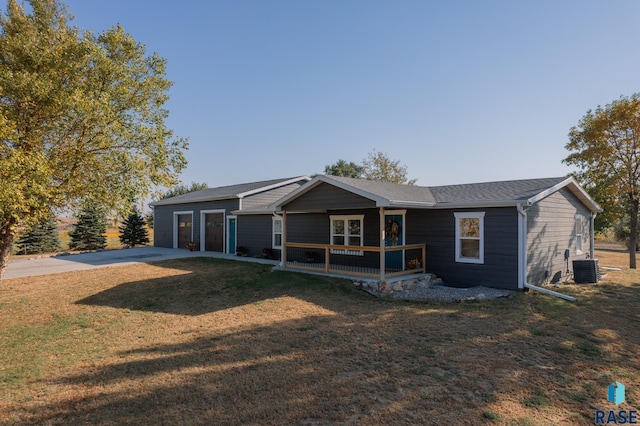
x,y
361,261
349,250
353,227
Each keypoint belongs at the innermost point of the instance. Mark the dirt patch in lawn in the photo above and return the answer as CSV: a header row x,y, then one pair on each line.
x,y
206,341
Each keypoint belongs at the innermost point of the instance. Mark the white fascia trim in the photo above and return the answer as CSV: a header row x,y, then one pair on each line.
x,y
477,204
273,186
251,212
575,188
398,203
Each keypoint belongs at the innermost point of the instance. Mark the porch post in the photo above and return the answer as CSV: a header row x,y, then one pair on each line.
x,y
283,256
382,252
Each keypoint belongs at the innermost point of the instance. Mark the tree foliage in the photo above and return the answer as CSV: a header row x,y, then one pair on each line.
x,y
605,146
88,232
41,237
133,231
81,117
181,189
377,166
344,169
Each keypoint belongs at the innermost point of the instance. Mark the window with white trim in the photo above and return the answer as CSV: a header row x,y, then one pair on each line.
x,y
277,233
347,231
579,230
469,237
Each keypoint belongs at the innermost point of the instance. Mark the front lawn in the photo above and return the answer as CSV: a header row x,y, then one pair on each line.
x,y
206,341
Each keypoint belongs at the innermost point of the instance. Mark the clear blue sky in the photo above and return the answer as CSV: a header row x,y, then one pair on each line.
x,y
458,91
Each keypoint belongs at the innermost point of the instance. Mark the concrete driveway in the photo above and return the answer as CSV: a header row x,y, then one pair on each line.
x,y
20,267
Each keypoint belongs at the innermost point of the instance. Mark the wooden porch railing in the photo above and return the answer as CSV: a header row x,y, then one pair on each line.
x,y
355,260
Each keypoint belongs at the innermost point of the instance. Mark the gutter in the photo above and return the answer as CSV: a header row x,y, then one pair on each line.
x,y
522,257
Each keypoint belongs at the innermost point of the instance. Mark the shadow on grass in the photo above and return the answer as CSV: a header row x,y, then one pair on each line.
x,y
367,362
372,367
211,285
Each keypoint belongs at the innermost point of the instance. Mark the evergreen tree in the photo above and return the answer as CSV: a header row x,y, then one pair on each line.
x,y
40,238
149,219
88,233
133,231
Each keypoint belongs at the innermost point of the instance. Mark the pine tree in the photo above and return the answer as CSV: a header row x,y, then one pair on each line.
x,y
133,231
40,238
88,233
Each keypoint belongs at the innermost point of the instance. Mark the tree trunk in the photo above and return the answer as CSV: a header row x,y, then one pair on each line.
x,y
633,234
6,238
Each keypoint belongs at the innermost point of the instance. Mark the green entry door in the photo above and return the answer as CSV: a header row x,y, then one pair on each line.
x,y
231,236
394,236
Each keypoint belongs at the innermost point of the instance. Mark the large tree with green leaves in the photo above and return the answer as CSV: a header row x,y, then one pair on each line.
x,y
344,169
377,166
605,146
81,117
182,188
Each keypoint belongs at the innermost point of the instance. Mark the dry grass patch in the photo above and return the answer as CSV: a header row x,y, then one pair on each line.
x,y
204,341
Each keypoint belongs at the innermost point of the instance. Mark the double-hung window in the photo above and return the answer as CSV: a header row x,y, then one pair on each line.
x,y
347,231
277,233
469,237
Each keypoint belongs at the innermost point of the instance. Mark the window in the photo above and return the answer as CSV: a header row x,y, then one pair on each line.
x,y
579,229
347,231
470,237
277,233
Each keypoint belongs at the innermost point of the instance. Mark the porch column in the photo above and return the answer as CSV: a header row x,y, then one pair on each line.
x,y
283,256
382,252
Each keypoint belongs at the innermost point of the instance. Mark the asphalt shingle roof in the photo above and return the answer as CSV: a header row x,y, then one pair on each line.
x,y
511,190
222,192
390,191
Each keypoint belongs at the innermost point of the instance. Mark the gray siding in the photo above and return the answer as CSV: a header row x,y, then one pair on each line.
x,y
266,198
255,233
316,227
328,197
163,219
436,228
551,231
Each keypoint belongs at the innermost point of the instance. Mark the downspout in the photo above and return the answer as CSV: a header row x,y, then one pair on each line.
x,y
522,258
522,246
592,230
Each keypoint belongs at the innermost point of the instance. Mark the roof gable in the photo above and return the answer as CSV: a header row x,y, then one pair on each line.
x,y
382,193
